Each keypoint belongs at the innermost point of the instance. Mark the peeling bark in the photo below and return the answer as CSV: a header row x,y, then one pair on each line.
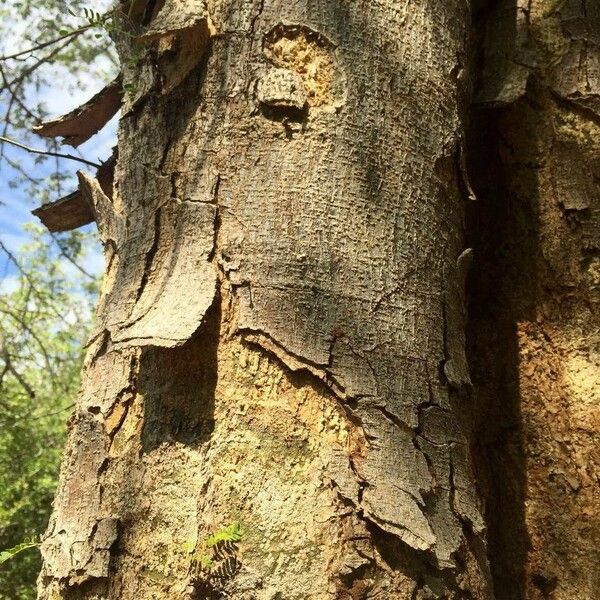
x,y
65,214
81,124
280,336
75,210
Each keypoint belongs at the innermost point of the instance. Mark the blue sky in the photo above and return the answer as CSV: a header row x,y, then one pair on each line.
x,y
16,204
67,91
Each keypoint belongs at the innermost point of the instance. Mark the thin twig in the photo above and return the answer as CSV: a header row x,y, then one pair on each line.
x,y
18,100
67,256
40,61
47,153
22,381
43,416
46,44
32,333
17,167
2,375
7,122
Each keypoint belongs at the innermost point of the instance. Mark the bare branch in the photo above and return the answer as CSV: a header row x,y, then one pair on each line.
x,y
43,45
27,276
40,61
16,98
11,369
5,310
17,167
48,153
44,415
68,257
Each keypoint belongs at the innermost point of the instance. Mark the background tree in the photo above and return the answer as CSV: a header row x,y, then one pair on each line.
x,y
44,323
535,292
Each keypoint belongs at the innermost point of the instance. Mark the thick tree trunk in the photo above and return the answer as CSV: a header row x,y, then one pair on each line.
x,y
281,334
535,321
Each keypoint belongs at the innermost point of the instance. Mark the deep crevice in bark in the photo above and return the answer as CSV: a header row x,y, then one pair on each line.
x,y
501,290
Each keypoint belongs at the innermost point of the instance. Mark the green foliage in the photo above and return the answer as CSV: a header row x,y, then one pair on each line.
x,y
49,50
45,314
232,534
6,555
93,17
56,51
116,24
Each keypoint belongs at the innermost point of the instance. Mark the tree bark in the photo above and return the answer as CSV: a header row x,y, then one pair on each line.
x,y
535,322
280,337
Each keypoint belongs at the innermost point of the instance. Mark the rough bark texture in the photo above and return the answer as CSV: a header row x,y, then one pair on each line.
x,y
535,321
281,332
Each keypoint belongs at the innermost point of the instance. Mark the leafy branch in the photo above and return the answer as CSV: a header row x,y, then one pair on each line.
x,y
6,555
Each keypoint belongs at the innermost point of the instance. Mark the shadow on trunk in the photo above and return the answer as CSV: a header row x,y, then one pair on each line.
x,y
502,292
178,385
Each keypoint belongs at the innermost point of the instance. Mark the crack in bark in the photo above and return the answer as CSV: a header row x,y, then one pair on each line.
x,y
150,255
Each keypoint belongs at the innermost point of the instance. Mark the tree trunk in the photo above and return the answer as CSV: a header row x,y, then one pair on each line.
x,y
534,331
280,339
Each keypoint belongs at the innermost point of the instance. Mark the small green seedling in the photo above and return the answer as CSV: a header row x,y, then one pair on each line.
x,y
232,534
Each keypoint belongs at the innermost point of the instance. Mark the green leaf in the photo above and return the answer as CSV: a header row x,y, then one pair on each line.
x,y
12,552
231,533
189,546
205,561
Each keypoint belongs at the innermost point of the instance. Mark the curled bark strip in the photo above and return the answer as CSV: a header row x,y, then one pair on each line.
x,y
74,210
81,124
109,221
106,172
175,16
65,214
182,31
